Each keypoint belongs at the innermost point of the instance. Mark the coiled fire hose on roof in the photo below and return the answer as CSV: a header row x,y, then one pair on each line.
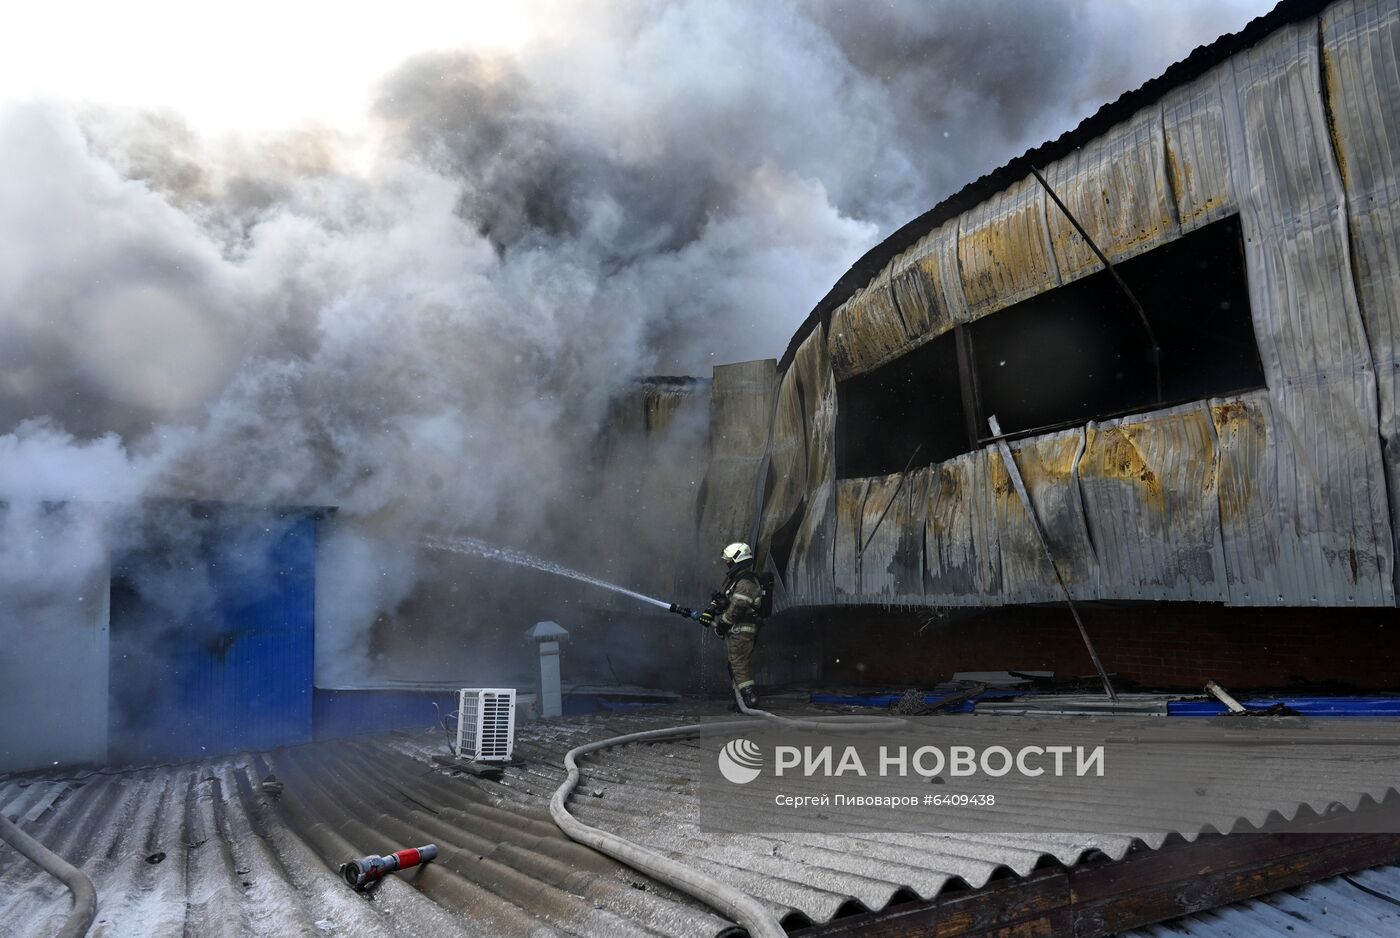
x,y
734,904
84,896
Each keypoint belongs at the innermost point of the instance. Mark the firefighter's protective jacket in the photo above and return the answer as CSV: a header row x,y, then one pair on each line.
x,y
743,594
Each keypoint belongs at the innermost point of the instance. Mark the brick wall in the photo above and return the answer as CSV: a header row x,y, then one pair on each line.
x,y
1166,645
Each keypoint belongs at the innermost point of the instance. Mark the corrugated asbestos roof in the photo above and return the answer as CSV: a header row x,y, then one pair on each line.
x,y
208,849
1201,60
1336,908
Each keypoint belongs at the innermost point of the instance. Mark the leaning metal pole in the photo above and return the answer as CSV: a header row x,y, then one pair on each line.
x,y
1132,298
1020,487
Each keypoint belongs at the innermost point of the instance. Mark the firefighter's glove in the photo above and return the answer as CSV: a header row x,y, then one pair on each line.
x,y
706,618
718,600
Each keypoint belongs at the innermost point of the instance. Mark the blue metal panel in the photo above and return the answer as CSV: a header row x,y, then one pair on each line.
x,y
232,671
1307,706
342,713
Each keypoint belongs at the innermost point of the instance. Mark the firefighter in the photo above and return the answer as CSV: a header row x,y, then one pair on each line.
x,y
734,610
736,614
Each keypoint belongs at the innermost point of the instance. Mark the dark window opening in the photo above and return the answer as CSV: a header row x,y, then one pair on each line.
x,y
1080,352
908,410
1074,354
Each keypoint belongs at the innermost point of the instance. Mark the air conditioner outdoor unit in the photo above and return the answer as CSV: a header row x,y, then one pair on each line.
x,y
485,723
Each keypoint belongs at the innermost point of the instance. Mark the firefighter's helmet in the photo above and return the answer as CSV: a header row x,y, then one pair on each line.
x,y
737,552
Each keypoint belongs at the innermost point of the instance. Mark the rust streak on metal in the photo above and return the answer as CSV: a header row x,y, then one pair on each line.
x,y
1115,454
1235,420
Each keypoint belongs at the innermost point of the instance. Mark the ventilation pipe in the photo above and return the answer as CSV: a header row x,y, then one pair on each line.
x,y
549,635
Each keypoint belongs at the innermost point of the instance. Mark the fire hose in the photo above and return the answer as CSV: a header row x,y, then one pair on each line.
x,y
735,904
84,896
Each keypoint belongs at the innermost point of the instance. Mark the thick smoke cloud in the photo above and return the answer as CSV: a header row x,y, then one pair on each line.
x,y
427,320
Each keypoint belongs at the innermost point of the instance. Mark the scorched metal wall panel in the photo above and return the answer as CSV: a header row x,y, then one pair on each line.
x,y
1049,466
1197,151
962,549
741,400
1003,252
868,330
1336,546
1117,188
1361,75
1149,486
787,464
810,567
890,546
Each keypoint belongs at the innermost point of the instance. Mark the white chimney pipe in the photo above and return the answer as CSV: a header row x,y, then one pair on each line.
x,y
549,635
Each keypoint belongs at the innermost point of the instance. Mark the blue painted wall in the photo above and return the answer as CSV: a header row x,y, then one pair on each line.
x,y
213,635
342,713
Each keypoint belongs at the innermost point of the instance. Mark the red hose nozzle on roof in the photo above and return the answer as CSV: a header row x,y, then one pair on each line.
x,y
366,870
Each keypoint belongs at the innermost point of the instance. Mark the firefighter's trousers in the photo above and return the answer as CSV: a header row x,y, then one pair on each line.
x,y
739,644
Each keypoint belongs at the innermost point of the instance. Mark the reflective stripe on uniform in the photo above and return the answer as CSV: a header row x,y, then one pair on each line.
x,y
744,630
742,684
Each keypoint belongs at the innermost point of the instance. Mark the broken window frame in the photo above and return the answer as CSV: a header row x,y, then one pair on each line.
x,y
970,379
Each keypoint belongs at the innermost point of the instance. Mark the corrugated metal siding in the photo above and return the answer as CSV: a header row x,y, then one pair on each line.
x,y
1118,189
231,865
1003,252
890,529
850,506
918,277
787,462
1336,543
1149,488
1198,161
820,875
915,299
809,571
1303,514
1049,466
1177,504
867,330
1247,487
1361,75
741,401
1332,908
962,546
239,676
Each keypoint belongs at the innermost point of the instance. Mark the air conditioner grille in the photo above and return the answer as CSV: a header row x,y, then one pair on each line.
x,y
486,723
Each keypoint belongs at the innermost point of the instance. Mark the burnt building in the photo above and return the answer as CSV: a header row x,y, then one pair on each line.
x,y
1206,424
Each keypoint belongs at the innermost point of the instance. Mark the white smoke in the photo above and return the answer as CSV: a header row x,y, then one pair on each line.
x,y
425,321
